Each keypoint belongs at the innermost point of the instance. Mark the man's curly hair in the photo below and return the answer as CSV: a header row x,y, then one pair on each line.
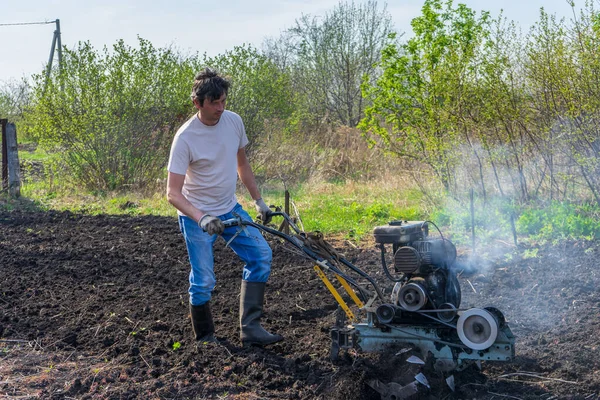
x,y
209,84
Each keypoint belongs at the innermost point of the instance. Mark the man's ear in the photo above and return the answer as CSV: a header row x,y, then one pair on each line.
x,y
196,103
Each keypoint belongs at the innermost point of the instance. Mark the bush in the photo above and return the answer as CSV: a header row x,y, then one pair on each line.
x,y
112,115
561,221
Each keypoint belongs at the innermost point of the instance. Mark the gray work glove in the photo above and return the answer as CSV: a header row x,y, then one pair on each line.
x,y
263,209
212,225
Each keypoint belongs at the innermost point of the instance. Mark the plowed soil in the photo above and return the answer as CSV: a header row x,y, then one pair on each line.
x,y
96,307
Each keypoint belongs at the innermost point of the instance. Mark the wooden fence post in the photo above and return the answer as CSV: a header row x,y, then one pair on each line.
x,y
286,228
3,122
12,151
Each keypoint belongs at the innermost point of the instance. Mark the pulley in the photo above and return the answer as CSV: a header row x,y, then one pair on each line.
x,y
385,313
412,296
477,328
447,316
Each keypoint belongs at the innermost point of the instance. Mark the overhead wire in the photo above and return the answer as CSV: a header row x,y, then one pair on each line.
x,y
28,23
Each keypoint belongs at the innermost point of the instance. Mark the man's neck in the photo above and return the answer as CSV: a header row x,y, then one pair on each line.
x,y
207,122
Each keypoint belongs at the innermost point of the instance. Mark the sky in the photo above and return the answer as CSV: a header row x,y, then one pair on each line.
x,y
200,26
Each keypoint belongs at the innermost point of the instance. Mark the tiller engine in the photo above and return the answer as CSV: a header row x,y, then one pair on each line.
x,y
419,308
424,306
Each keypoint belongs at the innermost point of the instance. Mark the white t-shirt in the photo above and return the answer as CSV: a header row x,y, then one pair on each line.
x,y
207,156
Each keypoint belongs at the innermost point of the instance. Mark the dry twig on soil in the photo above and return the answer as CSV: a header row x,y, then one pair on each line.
x,y
505,395
472,287
532,375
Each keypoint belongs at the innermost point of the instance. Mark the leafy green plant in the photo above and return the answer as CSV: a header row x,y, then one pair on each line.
x,y
424,87
351,209
112,114
561,220
530,253
260,92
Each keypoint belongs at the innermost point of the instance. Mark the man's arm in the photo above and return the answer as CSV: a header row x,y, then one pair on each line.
x,y
178,200
246,174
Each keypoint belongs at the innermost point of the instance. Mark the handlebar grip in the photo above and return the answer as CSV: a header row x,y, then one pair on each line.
x,y
270,214
231,222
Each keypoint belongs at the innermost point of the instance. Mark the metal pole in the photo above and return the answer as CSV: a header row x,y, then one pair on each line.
x,y
55,40
514,228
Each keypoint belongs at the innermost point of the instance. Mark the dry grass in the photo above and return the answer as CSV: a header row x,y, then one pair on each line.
x,y
326,154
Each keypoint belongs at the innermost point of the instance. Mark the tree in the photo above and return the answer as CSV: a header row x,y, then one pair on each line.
x,y
260,91
563,66
330,56
425,86
112,114
500,113
14,97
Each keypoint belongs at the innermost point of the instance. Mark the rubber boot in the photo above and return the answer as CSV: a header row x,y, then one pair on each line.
x,y
251,310
202,323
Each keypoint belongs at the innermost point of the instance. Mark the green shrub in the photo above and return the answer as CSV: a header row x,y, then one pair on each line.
x,y
561,220
111,115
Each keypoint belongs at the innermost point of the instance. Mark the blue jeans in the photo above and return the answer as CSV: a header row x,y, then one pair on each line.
x,y
249,245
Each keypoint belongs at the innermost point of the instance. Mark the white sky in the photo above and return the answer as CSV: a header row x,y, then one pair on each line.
x,y
192,26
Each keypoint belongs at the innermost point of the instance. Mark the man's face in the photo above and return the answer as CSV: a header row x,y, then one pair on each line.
x,y
212,109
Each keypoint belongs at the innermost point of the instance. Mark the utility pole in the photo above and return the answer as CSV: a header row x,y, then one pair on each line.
x,y
55,41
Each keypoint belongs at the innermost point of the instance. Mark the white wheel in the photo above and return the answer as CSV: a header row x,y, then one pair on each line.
x,y
477,328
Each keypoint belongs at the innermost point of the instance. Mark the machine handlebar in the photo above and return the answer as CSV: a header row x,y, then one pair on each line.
x,y
298,243
232,222
238,221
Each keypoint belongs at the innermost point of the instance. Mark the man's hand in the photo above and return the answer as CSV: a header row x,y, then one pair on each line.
x,y
212,225
263,210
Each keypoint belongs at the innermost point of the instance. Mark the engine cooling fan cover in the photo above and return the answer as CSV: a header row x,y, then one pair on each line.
x,y
407,260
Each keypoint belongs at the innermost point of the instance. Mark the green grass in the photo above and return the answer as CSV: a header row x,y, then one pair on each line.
x,y
37,155
561,221
349,209
44,197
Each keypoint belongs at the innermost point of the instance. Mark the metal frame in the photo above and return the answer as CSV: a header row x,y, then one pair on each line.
x,y
439,341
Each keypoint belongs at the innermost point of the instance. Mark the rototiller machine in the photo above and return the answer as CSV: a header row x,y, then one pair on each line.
x,y
421,304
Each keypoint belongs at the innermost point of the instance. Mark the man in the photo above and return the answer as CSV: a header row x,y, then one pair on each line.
x,y
207,155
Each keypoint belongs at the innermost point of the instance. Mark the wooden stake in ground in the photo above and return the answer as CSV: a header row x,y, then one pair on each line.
x,y
9,142
3,122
